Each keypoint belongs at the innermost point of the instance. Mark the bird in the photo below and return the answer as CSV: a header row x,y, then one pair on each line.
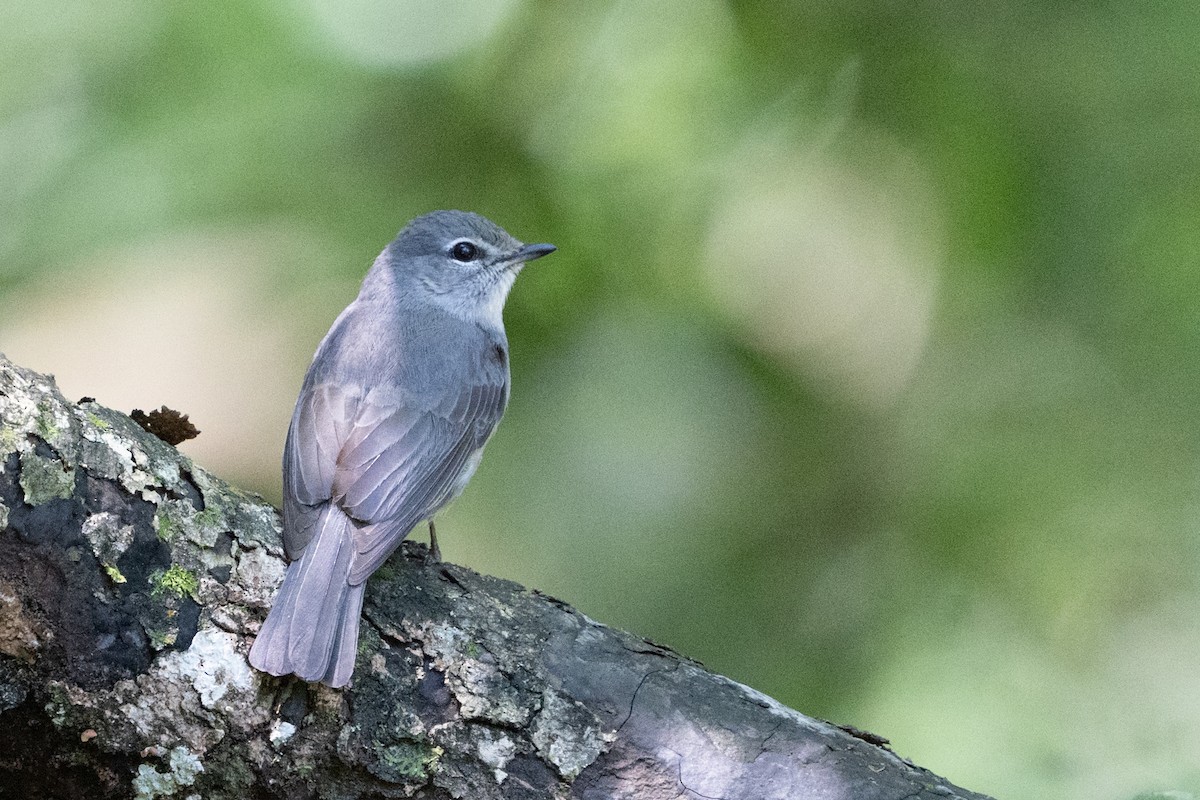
x,y
395,409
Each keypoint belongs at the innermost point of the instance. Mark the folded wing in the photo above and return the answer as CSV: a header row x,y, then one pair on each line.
x,y
388,465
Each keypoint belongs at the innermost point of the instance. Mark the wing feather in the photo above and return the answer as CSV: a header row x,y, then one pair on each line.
x,y
387,464
418,502
324,414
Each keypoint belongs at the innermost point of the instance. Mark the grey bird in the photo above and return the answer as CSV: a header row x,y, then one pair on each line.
x,y
400,399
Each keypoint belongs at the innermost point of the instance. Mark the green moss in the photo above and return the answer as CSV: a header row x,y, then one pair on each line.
x,y
102,424
162,638
176,581
45,421
165,527
114,574
209,517
406,761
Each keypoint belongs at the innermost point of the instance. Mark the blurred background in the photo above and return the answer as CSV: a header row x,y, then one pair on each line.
x,y
867,372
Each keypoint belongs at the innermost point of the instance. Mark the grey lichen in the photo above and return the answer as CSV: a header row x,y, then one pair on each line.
x,y
281,731
567,735
191,697
482,691
228,509
495,750
8,443
31,408
197,694
199,527
44,479
183,767
108,537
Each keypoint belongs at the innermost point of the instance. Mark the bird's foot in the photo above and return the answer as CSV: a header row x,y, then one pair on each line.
x,y
434,556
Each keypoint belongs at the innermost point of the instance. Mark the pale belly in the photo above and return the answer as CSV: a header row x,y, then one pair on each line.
x,y
468,470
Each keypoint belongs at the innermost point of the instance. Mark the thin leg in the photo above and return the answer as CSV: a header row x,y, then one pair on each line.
x,y
435,552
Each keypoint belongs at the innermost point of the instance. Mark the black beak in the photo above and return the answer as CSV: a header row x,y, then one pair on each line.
x,y
529,252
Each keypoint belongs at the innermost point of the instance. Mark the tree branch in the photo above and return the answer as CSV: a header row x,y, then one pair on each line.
x,y
132,582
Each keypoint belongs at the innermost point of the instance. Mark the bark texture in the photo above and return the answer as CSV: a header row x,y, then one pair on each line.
x,y
132,583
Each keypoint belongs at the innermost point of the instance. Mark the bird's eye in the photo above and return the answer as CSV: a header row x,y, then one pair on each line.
x,y
464,251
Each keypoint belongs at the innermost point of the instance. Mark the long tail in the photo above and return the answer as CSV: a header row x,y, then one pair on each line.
x,y
312,630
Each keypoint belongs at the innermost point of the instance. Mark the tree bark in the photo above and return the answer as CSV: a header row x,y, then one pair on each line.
x,y
132,583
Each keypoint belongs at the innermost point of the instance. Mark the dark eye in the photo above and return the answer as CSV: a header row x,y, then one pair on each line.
x,y
464,251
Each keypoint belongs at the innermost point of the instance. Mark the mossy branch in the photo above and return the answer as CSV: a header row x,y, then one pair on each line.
x,y
132,583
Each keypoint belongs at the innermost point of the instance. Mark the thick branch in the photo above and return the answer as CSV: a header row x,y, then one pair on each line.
x,y
132,582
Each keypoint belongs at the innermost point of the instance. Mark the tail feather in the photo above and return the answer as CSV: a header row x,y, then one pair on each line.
x,y
345,643
312,630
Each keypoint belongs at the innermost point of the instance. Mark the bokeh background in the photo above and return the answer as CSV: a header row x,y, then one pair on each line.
x,y
868,371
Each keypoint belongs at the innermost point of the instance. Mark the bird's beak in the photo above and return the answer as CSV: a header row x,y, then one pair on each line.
x,y
528,252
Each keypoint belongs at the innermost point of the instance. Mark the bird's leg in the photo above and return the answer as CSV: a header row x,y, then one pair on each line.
x,y
435,552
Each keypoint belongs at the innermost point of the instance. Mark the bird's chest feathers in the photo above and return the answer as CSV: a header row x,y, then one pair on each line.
x,y
436,351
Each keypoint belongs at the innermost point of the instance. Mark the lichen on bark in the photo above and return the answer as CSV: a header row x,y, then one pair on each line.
x,y
132,582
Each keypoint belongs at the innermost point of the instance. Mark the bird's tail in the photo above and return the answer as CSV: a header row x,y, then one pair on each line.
x,y
312,630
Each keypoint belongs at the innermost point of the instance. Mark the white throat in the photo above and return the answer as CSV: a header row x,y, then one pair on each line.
x,y
491,310
486,308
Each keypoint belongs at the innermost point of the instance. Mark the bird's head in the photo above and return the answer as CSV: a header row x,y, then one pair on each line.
x,y
461,261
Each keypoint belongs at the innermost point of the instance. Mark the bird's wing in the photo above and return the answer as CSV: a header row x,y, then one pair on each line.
x,y
403,465
392,464
323,418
